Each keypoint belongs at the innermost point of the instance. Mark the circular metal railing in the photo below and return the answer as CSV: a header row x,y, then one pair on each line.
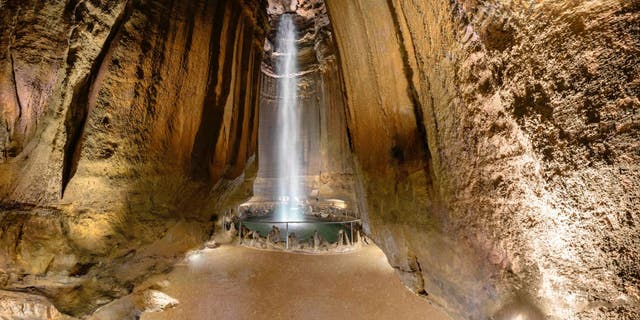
x,y
348,223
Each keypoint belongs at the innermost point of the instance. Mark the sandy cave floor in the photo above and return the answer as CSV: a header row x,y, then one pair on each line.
x,y
233,282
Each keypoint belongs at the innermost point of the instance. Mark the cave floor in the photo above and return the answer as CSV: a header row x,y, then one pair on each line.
x,y
233,282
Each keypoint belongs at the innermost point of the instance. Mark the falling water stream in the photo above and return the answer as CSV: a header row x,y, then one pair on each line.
x,y
288,127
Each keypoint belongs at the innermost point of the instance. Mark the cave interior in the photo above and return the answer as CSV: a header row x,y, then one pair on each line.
x,y
487,153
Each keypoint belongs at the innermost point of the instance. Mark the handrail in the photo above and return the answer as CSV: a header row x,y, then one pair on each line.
x,y
318,222
350,222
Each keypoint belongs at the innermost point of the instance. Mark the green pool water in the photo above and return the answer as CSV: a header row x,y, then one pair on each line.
x,y
303,230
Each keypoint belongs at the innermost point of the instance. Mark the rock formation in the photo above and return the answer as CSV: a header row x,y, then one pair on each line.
x,y
497,149
14,305
491,146
125,125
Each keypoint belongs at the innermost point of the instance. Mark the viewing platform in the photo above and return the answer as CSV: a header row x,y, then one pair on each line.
x,y
321,227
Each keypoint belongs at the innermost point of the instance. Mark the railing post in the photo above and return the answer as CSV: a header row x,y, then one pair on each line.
x,y
351,225
287,234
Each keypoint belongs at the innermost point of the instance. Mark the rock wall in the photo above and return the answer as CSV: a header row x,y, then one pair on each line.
x,y
24,306
497,150
99,103
125,126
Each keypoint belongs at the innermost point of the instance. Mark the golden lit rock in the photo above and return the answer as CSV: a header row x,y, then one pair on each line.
x,y
489,147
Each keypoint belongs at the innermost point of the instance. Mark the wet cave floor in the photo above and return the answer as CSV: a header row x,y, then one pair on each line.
x,y
232,282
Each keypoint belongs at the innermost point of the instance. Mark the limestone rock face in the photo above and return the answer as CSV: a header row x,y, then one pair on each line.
x,y
497,150
27,307
124,127
132,306
99,104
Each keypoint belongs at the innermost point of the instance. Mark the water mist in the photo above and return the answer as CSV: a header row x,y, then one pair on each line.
x,y
289,189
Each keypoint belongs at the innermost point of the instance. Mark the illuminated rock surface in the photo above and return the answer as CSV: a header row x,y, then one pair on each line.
x,y
125,124
491,146
498,149
25,306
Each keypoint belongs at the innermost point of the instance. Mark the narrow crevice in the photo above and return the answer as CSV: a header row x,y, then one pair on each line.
x,y
7,129
212,115
12,31
49,265
349,139
413,92
184,62
19,238
77,113
158,59
15,86
422,292
242,86
255,100
70,9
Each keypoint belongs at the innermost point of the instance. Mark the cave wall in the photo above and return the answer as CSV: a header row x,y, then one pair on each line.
x,y
126,127
496,145
99,103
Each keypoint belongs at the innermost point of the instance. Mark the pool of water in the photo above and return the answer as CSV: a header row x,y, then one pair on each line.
x,y
303,228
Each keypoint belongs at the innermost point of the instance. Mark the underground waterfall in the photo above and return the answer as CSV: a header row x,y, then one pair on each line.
x,y
289,189
303,193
